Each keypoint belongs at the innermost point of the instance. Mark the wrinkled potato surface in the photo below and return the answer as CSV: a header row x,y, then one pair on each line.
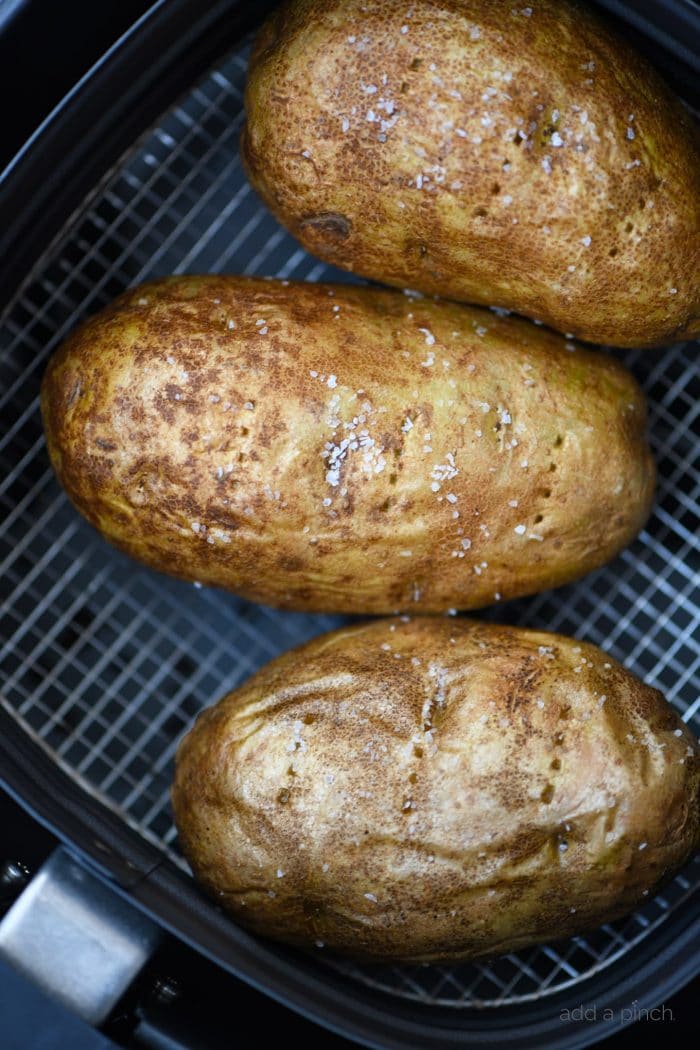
x,y
337,448
436,790
484,150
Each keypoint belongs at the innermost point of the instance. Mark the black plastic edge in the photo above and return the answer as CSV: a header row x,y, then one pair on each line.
x,y
672,24
647,977
138,871
159,57
119,97
34,779
123,93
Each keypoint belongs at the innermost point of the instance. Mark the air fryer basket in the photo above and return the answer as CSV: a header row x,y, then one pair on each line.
x,y
106,663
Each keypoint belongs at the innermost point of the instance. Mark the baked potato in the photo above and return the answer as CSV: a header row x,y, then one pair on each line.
x,y
523,157
431,789
345,449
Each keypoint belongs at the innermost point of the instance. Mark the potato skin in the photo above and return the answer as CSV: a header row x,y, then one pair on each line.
x,y
391,146
344,448
436,790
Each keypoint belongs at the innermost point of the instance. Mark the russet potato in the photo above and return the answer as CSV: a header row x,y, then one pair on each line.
x,y
487,151
345,449
436,790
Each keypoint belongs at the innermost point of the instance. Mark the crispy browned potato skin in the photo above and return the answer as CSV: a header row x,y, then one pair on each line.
x,y
391,146
344,448
436,789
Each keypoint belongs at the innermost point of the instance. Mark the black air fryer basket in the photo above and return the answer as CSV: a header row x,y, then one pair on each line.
x,y
104,664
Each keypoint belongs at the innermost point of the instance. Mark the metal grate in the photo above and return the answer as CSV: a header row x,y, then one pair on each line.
x,y
107,663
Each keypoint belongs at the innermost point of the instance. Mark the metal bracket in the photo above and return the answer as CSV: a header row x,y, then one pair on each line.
x,y
75,938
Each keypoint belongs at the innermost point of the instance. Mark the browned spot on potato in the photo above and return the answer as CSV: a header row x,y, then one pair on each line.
x,y
411,156
475,849
305,472
74,394
327,225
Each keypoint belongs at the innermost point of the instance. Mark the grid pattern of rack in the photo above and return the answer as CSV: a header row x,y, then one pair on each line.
x,y
107,663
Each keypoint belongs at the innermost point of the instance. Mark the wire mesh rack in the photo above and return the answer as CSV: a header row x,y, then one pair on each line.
x,y
107,663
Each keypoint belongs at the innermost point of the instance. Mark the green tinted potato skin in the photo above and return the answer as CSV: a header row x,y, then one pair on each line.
x,y
490,223
203,450
436,790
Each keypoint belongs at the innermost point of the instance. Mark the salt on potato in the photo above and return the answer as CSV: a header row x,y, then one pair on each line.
x,y
471,798
534,163
308,459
